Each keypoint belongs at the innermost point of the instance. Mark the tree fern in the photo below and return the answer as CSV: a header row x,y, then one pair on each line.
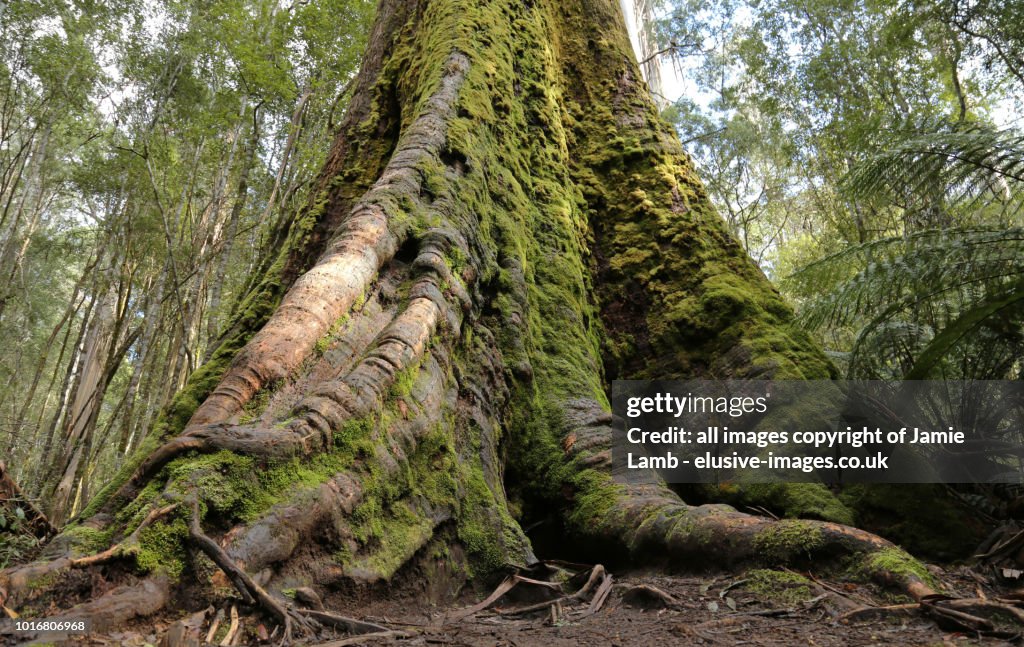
x,y
942,301
945,172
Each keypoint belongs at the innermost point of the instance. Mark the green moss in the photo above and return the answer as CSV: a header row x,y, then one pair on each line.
x,y
131,515
788,540
597,498
256,405
792,500
405,380
897,563
395,536
354,436
86,540
324,343
162,547
393,520
782,587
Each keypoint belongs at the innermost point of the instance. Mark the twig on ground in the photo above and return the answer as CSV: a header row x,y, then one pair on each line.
x,y
232,628
597,574
214,625
355,640
342,622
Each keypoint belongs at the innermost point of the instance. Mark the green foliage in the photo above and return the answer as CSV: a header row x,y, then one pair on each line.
x,y
924,304
788,540
16,540
153,159
790,95
861,152
941,175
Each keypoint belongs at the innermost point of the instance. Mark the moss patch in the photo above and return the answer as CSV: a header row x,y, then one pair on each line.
x,y
791,500
895,562
782,587
788,540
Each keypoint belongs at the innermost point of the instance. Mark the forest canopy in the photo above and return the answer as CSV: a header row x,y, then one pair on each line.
x,y
869,157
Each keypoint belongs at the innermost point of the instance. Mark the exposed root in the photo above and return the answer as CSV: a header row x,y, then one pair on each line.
x,y
111,610
289,617
368,239
351,625
637,512
233,628
251,591
117,549
215,625
398,347
598,577
644,594
973,615
359,640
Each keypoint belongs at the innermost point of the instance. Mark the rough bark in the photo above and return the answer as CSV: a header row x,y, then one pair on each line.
x,y
503,226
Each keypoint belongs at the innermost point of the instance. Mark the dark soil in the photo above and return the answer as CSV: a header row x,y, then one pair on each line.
x,y
711,610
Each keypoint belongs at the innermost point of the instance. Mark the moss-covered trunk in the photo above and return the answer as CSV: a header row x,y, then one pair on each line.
x,y
504,226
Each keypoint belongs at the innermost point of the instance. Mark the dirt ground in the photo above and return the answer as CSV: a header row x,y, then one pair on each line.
x,y
755,608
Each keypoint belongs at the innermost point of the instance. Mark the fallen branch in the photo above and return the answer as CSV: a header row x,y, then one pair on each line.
x,y
116,550
640,592
215,625
949,612
342,622
232,628
597,574
245,585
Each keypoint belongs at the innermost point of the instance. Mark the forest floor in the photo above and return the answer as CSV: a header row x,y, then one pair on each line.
x,y
754,608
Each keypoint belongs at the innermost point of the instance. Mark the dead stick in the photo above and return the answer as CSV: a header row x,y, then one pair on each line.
x,y
115,550
351,624
214,625
240,578
232,628
596,574
507,585
355,640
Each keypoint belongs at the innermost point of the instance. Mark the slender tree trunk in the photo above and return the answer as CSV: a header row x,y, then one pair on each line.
x,y
503,225
84,407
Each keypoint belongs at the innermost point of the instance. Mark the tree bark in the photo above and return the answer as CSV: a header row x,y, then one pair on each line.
x,y
503,226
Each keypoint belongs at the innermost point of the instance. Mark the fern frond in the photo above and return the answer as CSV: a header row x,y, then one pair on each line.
x,y
956,170
901,273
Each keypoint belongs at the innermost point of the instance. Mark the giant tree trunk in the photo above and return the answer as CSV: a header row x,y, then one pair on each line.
x,y
503,226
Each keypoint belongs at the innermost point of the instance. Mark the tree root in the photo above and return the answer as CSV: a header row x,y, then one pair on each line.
x,y
251,592
598,577
289,617
116,550
636,513
116,607
367,241
954,614
398,347
359,640
352,625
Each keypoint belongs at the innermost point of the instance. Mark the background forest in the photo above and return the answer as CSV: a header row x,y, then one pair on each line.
x,y
867,155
